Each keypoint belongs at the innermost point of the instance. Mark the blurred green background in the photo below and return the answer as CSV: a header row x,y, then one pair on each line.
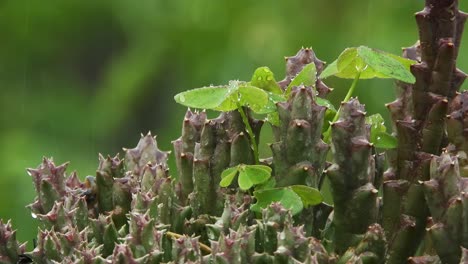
x,y
78,78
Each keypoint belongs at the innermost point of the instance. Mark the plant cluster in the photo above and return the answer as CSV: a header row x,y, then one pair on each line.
x,y
227,205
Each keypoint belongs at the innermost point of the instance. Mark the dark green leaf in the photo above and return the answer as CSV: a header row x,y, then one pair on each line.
x,y
306,76
286,196
227,176
309,195
264,78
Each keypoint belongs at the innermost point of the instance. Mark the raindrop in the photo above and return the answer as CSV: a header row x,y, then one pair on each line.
x,y
33,215
182,98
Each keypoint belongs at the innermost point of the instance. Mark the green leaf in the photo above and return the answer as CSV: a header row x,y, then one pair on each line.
x,y
385,140
378,135
324,102
329,113
371,63
273,118
244,180
377,123
269,184
309,195
306,76
286,196
250,175
205,97
264,78
332,69
253,97
270,106
258,173
227,176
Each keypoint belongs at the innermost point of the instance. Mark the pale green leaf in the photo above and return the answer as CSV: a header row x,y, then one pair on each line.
x,y
227,176
273,118
244,180
253,97
386,65
370,63
270,107
258,173
306,76
324,102
264,78
205,97
286,196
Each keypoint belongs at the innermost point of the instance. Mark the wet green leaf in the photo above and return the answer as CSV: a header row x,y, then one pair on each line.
x,y
270,106
249,175
309,195
205,97
286,196
258,173
326,103
273,118
378,135
385,140
264,78
225,98
306,76
370,63
253,97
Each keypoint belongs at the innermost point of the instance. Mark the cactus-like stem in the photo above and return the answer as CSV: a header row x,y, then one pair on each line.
x,y
418,116
352,176
446,195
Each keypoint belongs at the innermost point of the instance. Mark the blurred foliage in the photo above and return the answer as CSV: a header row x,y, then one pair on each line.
x,y
82,77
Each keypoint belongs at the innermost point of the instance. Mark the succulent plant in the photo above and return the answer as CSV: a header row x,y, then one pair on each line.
x,y
134,210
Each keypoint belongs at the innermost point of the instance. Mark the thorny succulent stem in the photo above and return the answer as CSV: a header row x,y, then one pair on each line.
x,y
346,99
203,247
249,131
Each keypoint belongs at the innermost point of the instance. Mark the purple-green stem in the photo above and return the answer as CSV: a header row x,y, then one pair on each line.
x,y
346,99
249,131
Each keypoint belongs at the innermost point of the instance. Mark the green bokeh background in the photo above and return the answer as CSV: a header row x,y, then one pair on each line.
x,y
78,78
